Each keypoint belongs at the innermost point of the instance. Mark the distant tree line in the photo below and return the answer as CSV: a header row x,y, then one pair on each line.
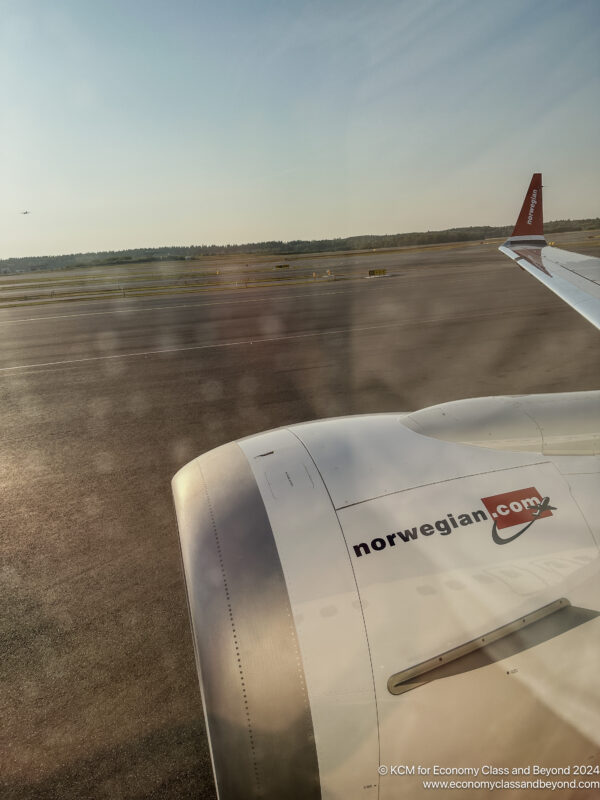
x,y
369,242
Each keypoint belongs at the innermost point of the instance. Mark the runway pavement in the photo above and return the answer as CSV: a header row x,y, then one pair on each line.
x,y
102,402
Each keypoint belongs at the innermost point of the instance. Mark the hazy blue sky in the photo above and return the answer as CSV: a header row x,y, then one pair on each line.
x,y
131,123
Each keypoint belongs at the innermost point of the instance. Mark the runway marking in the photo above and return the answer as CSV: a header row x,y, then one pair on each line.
x,y
133,309
239,343
244,342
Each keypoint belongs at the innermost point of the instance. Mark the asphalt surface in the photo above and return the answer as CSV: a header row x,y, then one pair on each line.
x,y
102,402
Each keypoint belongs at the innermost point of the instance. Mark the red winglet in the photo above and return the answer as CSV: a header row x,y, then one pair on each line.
x,y
531,219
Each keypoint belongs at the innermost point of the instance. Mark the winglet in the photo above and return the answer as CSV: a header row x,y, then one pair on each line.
x,y
573,277
530,223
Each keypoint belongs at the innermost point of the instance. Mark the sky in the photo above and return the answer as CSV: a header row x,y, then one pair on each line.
x,y
142,123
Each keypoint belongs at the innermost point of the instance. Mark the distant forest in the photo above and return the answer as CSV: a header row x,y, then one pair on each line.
x,y
145,254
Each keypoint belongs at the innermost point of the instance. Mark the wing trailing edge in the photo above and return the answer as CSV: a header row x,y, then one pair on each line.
x,y
573,277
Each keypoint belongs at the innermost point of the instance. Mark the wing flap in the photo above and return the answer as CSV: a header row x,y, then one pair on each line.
x,y
575,282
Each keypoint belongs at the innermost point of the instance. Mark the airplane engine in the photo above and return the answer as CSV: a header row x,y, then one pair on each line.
x,y
397,591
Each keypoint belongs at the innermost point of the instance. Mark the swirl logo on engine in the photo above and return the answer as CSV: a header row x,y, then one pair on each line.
x,y
521,507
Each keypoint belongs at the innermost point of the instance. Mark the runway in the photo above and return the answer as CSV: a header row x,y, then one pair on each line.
x,y
102,402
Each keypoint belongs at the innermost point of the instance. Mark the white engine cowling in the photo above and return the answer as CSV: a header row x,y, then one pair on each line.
x,y
369,591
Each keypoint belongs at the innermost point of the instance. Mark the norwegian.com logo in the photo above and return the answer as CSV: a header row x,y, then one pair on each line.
x,y
521,507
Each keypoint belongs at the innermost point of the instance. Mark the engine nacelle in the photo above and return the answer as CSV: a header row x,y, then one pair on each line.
x,y
364,594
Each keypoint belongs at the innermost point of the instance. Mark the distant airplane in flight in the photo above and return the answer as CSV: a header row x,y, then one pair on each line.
x,y
25,212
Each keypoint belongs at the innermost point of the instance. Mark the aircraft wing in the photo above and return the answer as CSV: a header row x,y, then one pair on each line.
x,y
573,277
